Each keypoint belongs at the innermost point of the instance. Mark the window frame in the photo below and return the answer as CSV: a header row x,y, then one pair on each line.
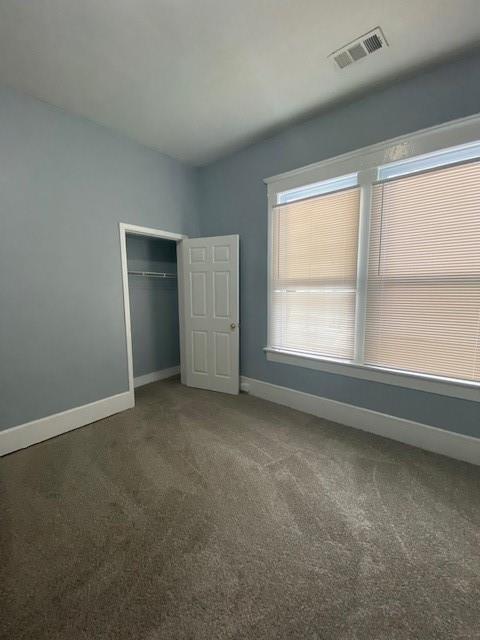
x,y
366,163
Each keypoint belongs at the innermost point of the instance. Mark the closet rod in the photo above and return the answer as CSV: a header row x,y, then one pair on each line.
x,y
152,274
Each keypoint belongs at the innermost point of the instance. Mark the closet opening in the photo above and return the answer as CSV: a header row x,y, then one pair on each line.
x,y
151,297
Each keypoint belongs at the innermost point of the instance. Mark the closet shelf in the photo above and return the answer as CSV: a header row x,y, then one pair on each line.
x,y
153,274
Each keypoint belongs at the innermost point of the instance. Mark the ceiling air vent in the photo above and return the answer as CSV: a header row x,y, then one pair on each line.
x,y
360,48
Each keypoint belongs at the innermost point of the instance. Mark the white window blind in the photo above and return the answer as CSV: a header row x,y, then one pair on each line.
x,y
423,289
314,272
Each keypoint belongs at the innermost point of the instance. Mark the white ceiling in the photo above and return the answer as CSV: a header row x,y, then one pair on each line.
x,y
198,78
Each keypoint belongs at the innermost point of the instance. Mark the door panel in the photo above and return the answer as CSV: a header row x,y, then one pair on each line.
x,y
200,352
222,354
221,253
211,310
198,294
198,255
221,294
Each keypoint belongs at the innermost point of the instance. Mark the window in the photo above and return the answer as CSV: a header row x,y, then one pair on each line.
x,y
314,274
423,291
379,269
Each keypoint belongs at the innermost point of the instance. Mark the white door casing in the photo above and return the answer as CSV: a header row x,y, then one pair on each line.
x,y
211,313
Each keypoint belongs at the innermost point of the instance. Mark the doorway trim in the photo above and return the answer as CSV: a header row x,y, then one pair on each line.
x,y
136,230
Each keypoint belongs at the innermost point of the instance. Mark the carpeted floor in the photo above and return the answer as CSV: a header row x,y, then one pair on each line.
x,y
199,515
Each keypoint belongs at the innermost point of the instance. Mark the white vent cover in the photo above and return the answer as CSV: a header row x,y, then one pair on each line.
x,y
360,48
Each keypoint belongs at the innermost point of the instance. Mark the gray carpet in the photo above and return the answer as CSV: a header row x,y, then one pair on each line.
x,y
200,515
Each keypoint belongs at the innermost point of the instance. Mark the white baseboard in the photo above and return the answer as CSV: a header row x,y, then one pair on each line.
x,y
155,376
30,433
420,435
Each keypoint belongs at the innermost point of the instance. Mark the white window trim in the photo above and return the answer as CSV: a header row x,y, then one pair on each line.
x,y
365,162
417,381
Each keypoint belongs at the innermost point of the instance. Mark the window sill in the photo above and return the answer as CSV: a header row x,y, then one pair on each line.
x,y
419,382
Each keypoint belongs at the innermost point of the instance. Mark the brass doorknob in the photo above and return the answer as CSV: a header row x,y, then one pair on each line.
x,y
233,325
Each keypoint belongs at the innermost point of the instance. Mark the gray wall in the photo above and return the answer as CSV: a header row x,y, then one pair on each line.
x,y
65,184
233,200
153,305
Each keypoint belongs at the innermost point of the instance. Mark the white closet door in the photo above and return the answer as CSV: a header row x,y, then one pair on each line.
x,y
211,313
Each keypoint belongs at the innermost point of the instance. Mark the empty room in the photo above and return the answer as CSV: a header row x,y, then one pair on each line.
x,y
239,320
